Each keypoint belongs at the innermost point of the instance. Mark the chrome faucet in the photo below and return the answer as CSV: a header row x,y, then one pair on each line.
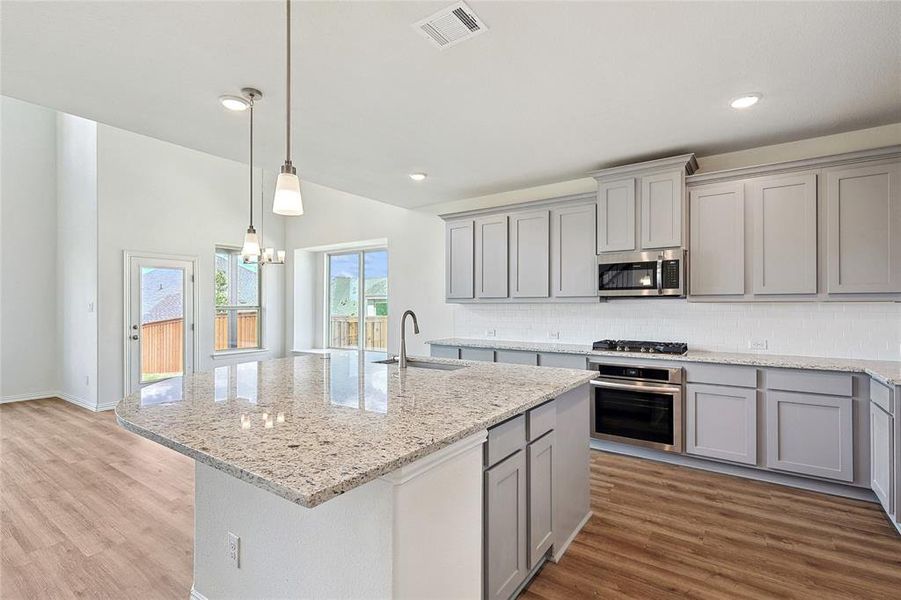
x,y
402,359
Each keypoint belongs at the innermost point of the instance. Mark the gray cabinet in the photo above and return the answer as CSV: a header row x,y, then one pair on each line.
x,y
661,210
721,422
491,257
505,527
540,465
459,253
530,254
882,456
480,354
516,357
616,215
863,228
573,245
784,244
564,361
717,240
810,434
445,351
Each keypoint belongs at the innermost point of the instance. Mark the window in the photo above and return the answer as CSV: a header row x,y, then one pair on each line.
x,y
238,315
358,293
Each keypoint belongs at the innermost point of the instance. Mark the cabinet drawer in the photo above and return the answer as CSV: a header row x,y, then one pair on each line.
x,y
516,357
721,375
445,352
881,396
505,439
566,361
814,382
541,419
482,354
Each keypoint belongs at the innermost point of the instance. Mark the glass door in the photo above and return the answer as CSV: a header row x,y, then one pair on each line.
x,y
357,302
160,329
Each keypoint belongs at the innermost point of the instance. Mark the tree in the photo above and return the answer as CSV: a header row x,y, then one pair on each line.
x,y
221,289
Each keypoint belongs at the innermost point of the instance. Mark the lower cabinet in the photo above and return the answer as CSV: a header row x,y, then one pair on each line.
x,y
480,354
882,456
505,527
721,422
540,459
810,434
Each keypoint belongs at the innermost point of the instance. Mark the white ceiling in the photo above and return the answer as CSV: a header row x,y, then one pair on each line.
x,y
551,91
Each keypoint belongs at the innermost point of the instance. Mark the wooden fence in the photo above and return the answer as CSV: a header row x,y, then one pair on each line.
x,y
162,342
162,347
344,332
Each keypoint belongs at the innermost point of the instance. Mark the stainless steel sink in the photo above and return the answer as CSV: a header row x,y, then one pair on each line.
x,y
418,364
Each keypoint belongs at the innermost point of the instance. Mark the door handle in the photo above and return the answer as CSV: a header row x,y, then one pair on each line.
x,y
660,274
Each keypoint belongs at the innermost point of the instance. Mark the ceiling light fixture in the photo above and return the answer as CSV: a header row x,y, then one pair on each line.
x,y
287,199
250,251
418,176
235,103
746,101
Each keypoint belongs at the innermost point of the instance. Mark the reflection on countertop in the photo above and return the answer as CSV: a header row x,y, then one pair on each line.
x,y
313,426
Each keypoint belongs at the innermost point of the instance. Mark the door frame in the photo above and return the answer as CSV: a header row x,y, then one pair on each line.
x,y
127,256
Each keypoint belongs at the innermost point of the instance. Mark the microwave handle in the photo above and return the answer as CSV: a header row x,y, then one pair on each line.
x,y
660,274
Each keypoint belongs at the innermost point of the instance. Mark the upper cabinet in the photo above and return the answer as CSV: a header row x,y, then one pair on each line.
x,y
641,206
573,264
530,254
818,229
863,221
458,257
717,249
784,243
491,256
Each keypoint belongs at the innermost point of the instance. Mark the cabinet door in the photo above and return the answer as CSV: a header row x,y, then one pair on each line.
x,y
881,456
445,351
721,422
540,455
616,215
717,240
810,434
480,354
785,234
505,527
491,256
530,254
863,229
661,210
573,251
458,254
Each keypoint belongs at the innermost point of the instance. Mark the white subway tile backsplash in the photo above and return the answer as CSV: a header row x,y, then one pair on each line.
x,y
870,330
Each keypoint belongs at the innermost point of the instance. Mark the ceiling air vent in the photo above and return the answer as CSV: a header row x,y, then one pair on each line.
x,y
451,25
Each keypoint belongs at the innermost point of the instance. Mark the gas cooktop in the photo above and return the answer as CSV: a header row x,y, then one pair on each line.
x,y
636,346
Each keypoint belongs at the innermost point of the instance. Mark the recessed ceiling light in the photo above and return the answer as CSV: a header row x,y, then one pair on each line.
x,y
234,102
418,176
746,101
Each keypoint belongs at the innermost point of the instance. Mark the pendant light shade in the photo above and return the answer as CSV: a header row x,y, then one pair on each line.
x,y
250,251
287,195
287,199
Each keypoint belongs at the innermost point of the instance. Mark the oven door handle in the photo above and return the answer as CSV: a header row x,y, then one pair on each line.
x,y
635,388
660,275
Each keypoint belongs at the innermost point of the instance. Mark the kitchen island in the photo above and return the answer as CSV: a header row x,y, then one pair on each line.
x,y
346,478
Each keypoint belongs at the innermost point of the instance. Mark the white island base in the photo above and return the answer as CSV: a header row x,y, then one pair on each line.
x,y
414,533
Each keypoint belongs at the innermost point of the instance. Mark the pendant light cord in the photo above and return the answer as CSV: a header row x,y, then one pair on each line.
x,y
251,161
288,80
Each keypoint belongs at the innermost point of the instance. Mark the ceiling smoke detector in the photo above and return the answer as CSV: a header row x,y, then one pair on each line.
x,y
450,26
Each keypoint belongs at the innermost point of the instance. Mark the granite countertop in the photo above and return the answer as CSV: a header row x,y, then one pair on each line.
x,y
309,428
886,371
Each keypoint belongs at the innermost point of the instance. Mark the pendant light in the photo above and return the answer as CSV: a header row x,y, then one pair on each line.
x,y
250,251
287,199
268,256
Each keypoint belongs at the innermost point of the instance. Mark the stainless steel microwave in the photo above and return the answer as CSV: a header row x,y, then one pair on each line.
x,y
651,273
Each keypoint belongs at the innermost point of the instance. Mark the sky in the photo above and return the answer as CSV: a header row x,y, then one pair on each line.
x,y
347,265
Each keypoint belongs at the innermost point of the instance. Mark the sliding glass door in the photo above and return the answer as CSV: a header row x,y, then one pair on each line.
x,y
357,300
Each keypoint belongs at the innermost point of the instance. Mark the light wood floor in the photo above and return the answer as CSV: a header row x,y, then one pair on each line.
x,y
88,510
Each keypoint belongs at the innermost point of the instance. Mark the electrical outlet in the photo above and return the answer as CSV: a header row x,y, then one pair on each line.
x,y
554,335
87,380
234,549
757,344
491,332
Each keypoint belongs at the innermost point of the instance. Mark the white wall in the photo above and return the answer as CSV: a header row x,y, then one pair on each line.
x,y
161,198
415,261
842,330
28,339
76,282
